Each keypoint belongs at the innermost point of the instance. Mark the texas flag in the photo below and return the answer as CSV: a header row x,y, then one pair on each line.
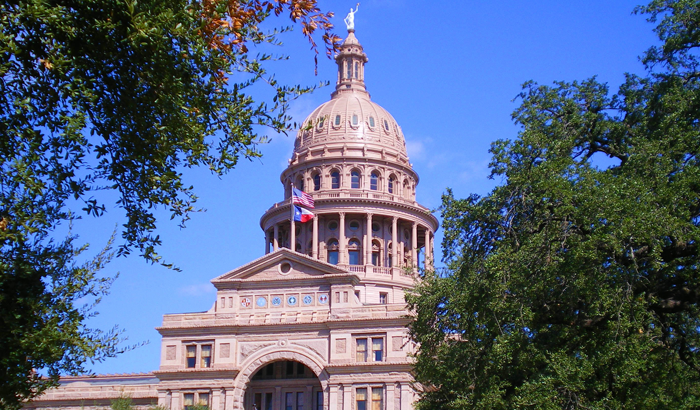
x,y
302,215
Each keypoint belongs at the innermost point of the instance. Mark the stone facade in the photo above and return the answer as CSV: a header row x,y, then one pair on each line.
x,y
322,326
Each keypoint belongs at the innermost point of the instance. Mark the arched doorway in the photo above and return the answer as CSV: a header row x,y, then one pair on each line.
x,y
283,385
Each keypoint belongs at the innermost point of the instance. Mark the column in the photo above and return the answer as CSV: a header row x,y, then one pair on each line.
x,y
342,259
314,245
368,240
332,398
389,405
229,400
429,257
175,402
405,397
267,242
414,245
292,236
394,242
276,238
309,399
347,398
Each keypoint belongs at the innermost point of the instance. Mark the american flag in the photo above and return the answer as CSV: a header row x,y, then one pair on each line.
x,y
300,197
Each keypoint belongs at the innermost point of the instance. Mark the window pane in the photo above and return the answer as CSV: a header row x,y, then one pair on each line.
x,y
373,182
375,258
355,180
377,398
189,399
361,399
391,185
317,182
204,399
268,401
354,257
361,350
319,400
333,257
191,356
206,356
300,401
378,348
289,401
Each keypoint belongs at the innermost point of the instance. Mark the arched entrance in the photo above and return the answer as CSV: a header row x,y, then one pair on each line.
x,y
283,385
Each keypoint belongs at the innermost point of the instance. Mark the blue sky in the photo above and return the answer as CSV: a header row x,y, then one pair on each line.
x,y
448,71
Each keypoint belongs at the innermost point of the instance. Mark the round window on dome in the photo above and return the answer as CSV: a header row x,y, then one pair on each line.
x,y
371,122
337,120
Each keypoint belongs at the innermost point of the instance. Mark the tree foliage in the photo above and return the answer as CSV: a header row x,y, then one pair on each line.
x,y
115,96
575,284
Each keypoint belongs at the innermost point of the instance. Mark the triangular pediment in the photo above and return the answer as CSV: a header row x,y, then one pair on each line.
x,y
282,264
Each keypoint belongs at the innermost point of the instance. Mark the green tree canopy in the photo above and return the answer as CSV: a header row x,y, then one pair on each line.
x,y
118,96
575,285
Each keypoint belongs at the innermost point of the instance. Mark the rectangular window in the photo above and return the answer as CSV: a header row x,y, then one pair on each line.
x,y
383,298
300,401
204,399
319,400
361,399
191,356
188,400
361,350
377,398
345,297
337,297
377,349
268,401
206,356
289,401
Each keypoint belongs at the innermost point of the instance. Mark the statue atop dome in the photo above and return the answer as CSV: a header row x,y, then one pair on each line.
x,y
350,19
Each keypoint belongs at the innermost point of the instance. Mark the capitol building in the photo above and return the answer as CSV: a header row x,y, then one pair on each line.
x,y
319,322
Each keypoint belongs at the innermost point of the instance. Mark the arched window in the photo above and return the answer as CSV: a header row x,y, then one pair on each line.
x,y
389,256
406,189
348,66
371,122
357,70
392,183
337,120
300,183
354,119
332,249
317,182
335,180
355,180
374,181
376,253
354,252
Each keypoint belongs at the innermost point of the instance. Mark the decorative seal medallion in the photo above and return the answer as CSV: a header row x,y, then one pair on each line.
x,y
323,298
308,299
292,300
245,302
276,301
261,302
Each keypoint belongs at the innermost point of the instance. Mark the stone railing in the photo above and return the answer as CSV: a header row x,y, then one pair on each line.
x,y
201,320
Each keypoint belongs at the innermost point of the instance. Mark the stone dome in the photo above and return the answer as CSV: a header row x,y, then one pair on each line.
x,y
350,117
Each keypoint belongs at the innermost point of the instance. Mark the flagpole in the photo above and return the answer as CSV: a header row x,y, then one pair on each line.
x,y
293,233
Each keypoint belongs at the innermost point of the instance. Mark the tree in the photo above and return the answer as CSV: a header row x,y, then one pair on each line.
x,y
575,284
105,99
